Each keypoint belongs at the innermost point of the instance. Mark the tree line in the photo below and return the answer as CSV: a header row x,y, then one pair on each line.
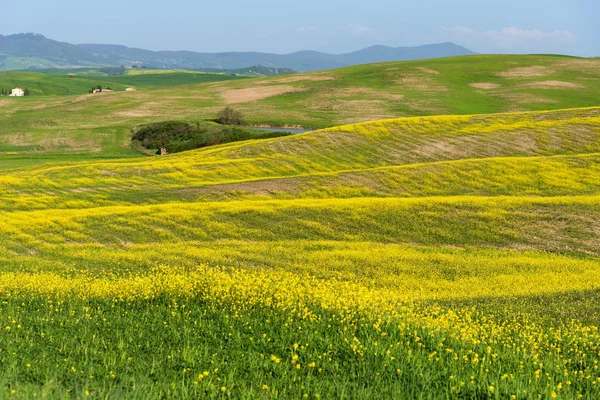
x,y
99,88
114,71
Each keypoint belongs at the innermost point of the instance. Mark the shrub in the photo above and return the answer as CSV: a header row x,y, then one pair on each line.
x,y
230,116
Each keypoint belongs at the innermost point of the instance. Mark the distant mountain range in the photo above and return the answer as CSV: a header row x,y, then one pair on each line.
x,y
30,50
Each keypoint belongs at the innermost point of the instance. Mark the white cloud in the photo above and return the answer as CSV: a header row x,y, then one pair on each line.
x,y
359,30
513,38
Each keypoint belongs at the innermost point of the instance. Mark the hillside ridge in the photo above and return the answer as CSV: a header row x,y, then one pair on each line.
x,y
45,53
480,155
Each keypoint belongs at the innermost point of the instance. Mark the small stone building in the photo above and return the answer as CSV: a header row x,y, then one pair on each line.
x,y
17,92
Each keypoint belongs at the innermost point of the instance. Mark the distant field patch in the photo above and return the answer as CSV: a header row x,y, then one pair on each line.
x,y
527,98
420,83
429,71
583,65
485,85
234,96
526,72
554,85
143,71
360,91
20,139
307,78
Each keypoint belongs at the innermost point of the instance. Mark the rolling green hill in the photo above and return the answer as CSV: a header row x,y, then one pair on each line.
x,y
454,255
520,153
22,51
375,260
462,85
47,84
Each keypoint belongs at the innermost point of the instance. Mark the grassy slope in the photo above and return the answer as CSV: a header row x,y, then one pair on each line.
x,y
322,99
460,230
447,155
406,258
465,162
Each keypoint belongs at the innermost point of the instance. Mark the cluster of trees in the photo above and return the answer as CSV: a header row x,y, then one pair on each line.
x,y
7,92
176,136
114,71
100,88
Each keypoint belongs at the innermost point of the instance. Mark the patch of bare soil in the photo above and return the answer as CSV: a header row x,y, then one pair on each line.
x,y
589,66
554,85
526,72
235,96
4,103
485,85
420,83
20,139
517,100
524,98
428,71
61,142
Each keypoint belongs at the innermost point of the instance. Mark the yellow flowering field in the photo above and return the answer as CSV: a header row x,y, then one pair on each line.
x,y
433,257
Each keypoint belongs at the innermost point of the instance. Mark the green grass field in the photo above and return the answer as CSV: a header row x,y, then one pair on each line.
x,y
48,84
419,257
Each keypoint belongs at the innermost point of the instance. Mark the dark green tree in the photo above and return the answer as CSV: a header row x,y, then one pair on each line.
x,y
230,116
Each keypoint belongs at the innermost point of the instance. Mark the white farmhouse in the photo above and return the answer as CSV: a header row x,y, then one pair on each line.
x,y
17,92
130,89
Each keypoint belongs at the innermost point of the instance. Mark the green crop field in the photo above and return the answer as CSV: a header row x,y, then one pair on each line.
x,y
452,256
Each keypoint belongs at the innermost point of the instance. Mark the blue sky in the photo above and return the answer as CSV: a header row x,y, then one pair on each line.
x,y
486,26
